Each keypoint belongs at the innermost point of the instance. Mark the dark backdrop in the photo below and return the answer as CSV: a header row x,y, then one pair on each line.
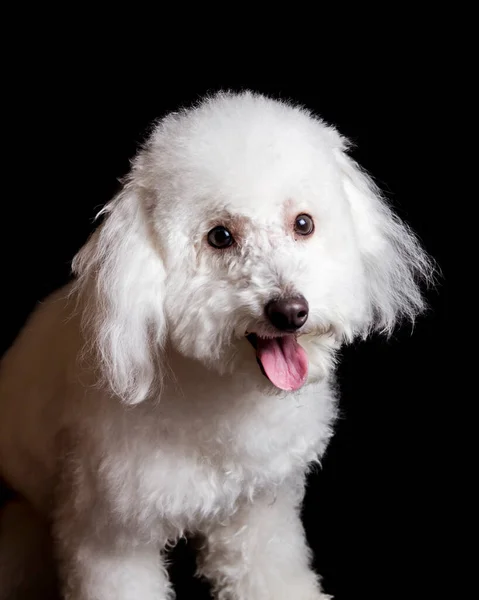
x,y
71,127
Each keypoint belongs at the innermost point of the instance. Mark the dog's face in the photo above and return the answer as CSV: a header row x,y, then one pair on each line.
x,y
259,247
248,232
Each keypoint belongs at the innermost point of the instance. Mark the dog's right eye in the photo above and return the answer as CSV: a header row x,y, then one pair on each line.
x,y
220,237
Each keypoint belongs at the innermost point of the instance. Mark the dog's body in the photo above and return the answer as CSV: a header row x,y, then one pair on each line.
x,y
132,408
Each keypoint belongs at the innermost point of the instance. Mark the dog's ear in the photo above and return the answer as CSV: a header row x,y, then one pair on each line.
x,y
120,290
395,265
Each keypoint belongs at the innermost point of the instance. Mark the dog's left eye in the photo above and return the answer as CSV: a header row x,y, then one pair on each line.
x,y
304,225
220,237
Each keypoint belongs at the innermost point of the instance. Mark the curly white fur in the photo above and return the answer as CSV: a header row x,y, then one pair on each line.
x,y
132,408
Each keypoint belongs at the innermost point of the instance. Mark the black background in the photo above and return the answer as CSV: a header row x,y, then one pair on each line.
x,y
73,122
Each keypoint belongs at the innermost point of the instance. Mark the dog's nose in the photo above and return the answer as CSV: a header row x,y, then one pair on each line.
x,y
288,314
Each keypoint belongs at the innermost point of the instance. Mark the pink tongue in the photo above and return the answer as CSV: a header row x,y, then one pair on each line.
x,y
284,361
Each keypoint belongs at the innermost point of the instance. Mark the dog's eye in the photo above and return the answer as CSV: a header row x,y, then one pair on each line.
x,y
304,225
220,237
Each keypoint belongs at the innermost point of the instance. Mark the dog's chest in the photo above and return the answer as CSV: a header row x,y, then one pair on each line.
x,y
202,467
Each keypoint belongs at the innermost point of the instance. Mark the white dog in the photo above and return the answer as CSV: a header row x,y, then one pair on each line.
x,y
183,382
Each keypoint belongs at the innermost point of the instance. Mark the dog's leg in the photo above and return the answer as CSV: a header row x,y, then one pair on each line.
x,y
27,569
98,556
95,567
261,554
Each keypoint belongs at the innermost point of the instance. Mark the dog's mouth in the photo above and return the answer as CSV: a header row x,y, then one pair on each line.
x,y
281,359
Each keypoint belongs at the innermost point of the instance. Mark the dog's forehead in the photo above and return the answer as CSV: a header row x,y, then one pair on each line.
x,y
257,181
245,154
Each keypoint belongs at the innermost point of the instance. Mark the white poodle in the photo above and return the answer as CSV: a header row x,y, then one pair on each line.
x,y
184,381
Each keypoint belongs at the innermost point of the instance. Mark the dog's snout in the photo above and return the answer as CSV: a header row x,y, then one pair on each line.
x,y
288,314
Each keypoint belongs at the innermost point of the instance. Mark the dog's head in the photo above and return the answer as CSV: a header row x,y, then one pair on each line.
x,y
244,231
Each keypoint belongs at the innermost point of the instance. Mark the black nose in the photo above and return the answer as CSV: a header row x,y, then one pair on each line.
x,y
288,314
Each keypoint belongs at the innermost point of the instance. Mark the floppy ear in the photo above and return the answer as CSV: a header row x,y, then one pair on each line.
x,y
120,287
395,265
